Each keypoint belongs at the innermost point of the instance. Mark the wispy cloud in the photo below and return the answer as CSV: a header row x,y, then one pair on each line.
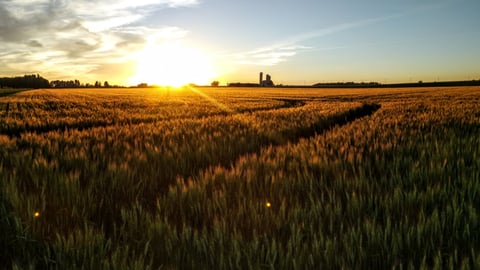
x,y
81,36
291,46
268,56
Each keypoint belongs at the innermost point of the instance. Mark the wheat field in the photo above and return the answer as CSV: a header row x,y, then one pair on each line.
x,y
240,178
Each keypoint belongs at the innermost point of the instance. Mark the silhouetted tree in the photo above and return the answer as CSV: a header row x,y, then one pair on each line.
x,y
27,81
65,84
215,83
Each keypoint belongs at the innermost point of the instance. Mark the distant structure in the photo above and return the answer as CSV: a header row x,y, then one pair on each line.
x,y
267,82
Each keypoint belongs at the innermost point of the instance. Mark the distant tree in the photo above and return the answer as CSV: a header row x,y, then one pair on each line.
x,y
65,84
215,83
106,85
27,81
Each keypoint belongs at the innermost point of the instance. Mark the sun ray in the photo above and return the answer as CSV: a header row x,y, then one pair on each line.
x,y
210,99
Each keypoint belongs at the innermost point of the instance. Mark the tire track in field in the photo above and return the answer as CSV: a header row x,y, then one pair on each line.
x,y
17,131
9,92
108,217
281,138
294,135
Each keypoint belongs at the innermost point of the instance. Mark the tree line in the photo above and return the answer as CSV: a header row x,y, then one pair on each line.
x,y
78,84
36,81
27,81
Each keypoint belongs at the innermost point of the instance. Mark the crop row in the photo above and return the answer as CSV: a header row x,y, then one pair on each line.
x,y
42,111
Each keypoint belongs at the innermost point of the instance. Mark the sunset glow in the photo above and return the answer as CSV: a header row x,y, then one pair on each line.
x,y
176,42
172,64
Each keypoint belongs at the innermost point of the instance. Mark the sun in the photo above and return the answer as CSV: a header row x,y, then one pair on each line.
x,y
172,64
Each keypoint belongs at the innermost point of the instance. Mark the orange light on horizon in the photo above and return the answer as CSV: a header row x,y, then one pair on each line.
x,y
173,64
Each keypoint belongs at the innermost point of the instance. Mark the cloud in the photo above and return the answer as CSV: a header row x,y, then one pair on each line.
x,y
290,46
34,43
66,38
20,19
268,56
15,27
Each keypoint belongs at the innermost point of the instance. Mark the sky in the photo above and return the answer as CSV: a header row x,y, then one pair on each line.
x,y
297,42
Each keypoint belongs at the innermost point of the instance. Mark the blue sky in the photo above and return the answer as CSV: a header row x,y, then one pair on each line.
x,y
297,42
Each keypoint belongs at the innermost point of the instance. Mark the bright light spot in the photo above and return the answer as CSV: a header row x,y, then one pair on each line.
x,y
172,63
36,214
212,100
268,204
